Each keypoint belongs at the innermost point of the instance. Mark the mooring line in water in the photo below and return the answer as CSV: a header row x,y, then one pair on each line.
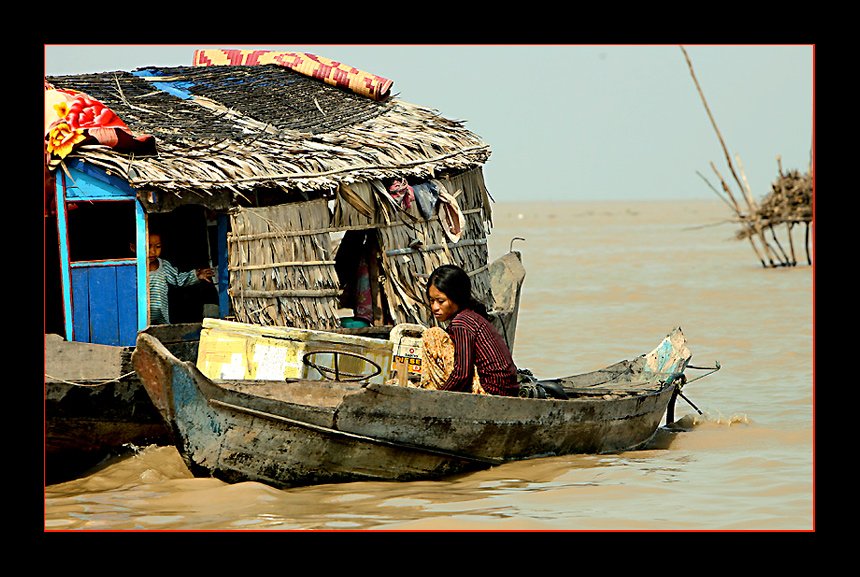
x,y
686,381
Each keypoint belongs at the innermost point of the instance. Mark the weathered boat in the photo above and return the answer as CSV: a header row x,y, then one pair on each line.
x,y
94,401
300,432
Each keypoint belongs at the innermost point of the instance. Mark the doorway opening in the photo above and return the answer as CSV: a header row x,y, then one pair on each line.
x,y
189,239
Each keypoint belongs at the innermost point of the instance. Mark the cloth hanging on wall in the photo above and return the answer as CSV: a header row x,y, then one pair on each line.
x,y
450,216
426,197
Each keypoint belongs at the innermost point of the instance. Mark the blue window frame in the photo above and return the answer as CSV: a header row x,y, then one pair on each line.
x,y
104,282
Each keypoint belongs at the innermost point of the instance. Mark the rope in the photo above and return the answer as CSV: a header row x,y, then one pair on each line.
x,y
100,383
712,370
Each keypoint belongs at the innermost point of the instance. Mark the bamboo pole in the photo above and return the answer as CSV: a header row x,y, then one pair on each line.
x,y
713,122
751,205
790,225
743,221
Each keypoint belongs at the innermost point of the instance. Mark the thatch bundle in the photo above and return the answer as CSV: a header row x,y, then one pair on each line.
x,y
283,270
790,201
414,247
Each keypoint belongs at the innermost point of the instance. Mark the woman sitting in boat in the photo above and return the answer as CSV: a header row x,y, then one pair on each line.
x,y
470,356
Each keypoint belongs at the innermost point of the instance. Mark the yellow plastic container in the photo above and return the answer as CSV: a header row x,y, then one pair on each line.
x,y
406,340
240,351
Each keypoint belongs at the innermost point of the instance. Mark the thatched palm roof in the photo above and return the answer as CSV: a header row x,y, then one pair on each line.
x,y
242,128
224,134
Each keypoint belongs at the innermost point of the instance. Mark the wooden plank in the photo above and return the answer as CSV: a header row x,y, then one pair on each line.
x,y
127,305
93,183
376,295
103,304
79,316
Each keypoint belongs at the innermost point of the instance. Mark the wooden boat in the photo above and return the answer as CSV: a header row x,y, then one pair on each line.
x,y
95,404
300,432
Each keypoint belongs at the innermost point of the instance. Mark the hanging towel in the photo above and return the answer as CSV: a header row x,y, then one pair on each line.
x,y
426,197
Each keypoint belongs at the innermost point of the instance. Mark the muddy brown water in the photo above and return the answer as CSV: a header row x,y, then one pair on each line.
x,y
605,282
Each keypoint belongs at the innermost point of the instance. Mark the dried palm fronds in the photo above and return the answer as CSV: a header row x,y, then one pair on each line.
x,y
243,128
281,269
320,159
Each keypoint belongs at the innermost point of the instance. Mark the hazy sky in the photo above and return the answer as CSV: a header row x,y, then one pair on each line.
x,y
577,122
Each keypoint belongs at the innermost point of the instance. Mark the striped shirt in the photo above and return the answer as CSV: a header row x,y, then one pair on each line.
x,y
478,344
158,280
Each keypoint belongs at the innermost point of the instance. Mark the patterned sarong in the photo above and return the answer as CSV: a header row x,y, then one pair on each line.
x,y
437,360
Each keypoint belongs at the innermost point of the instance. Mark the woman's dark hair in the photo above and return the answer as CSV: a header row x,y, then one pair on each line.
x,y
455,283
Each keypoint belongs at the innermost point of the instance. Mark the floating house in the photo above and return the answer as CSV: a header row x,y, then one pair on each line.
x,y
306,185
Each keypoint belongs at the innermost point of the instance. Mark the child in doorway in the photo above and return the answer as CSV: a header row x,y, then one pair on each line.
x,y
161,274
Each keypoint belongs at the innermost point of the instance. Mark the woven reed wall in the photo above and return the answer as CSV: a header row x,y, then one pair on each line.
x,y
281,266
356,206
407,266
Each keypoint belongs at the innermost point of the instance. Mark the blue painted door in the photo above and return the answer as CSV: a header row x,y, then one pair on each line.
x,y
104,279
104,301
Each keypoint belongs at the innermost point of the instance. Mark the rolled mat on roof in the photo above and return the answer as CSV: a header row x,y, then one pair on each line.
x,y
329,71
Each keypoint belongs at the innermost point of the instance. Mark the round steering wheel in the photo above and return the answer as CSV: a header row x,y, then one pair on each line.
x,y
338,374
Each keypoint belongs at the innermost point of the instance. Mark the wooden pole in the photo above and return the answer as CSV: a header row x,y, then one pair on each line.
x,y
713,122
753,226
743,221
790,225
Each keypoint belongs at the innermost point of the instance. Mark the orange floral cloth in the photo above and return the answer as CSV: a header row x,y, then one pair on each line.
x,y
72,117
437,360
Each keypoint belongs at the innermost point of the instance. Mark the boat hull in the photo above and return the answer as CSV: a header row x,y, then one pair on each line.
x,y
95,404
300,432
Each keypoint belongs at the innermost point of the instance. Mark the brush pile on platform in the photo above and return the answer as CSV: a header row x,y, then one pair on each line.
x,y
789,203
